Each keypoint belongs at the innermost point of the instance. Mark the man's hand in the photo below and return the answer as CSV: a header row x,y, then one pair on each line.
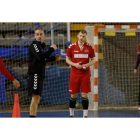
x,y
84,66
57,56
16,83
54,46
78,66
135,71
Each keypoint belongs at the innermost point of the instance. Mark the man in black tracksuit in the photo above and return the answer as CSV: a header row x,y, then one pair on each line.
x,y
38,57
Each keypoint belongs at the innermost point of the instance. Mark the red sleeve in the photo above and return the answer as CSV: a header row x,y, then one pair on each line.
x,y
137,61
5,71
69,51
139,49
92,53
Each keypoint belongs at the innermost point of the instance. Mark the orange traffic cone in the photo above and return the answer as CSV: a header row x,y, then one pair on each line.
x,y
16,107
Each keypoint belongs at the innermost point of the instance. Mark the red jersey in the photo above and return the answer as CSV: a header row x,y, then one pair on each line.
x,y
5,71
139,49
78,54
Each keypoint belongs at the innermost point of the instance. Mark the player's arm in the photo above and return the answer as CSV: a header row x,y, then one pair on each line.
x,y
16,83
77,65
137,64
7,74
92,56
40,54
137,61
89,64
68,59
53,58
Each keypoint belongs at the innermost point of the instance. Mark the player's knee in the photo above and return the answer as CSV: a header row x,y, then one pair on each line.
x,y
84,95
72,102
85,103
74,95
36,99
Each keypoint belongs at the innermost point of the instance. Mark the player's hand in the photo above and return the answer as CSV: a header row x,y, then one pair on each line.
x,y
16,83
54,46
84,66
135,71
57,56
78,66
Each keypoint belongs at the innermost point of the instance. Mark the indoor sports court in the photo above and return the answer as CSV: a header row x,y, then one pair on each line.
x,y
79,114
115,87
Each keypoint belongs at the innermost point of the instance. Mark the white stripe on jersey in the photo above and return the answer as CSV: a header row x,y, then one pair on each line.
x,y
36,48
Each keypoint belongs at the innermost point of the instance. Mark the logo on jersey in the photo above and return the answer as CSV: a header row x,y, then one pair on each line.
x,y
35,81
76,51
36,48
80,55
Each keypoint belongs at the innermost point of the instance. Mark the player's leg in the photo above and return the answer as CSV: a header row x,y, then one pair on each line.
x,y
85,104
139,94
73,90
85,88
34,105
35,86
72,103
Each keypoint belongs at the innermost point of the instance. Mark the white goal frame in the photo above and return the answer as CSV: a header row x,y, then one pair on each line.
x,y
95,39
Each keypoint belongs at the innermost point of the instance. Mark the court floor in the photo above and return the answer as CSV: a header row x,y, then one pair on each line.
x,y
78,114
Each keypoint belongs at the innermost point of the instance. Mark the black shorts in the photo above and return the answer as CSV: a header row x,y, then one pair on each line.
x,y
35,84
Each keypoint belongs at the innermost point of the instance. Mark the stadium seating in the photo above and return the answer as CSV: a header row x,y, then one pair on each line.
x,y
8,26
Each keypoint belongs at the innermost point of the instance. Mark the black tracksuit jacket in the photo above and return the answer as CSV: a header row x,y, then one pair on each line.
x,y
38,56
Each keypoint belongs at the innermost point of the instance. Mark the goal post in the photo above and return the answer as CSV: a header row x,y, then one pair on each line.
x,y
114,83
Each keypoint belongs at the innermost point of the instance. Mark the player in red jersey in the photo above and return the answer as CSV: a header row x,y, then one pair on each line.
x,y
7,74
78,55
135,71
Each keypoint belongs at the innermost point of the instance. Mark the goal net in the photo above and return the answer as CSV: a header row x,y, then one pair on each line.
x,y
117,51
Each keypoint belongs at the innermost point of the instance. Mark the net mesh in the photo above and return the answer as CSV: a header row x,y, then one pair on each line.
x,y
118,86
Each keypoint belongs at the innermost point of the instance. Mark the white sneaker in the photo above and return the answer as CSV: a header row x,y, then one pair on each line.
x,y
139,108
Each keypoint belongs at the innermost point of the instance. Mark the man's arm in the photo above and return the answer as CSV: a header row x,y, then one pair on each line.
x,y
5,71
16,83
89,64
40,54
77,65
92,56
137,64
54,58
7,74
68,59
51,59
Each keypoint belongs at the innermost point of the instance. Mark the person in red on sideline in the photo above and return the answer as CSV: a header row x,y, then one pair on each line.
x,y
7,74
78,55
136,71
